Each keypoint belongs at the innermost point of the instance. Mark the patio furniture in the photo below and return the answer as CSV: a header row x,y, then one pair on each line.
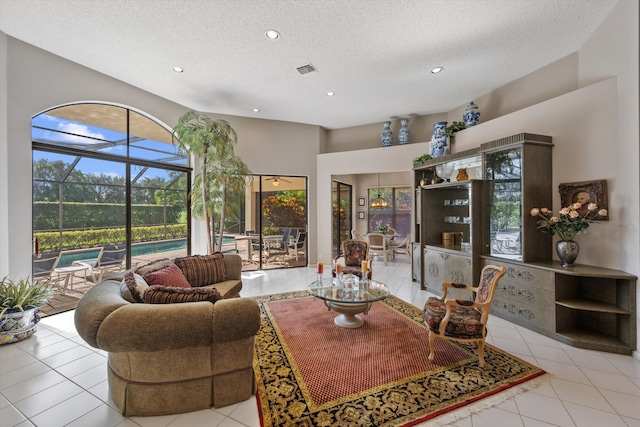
x,y
111,258
462,320
228,247
66,274
43,267
277,250
298,243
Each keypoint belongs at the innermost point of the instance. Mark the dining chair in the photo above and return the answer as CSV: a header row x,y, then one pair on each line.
x,y
298,243
355,234
401,248
463,320
378,245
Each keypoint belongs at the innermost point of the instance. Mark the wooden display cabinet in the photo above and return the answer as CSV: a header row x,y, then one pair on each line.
x,y
583,306
587,307
451,233
517,173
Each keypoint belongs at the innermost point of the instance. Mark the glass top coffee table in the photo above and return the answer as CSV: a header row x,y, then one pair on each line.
x,y
350,298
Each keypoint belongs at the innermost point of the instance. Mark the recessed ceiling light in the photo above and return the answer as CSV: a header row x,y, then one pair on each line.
x,y
272,34
178,69
256,110
330,93
437,70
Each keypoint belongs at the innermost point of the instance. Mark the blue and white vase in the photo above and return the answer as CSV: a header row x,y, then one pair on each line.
x,y
471,115
387,135
404,134
440,140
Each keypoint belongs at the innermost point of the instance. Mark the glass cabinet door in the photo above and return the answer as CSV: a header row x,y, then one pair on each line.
x,y
503,177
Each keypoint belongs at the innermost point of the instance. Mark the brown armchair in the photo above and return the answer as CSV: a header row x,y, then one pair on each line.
x,y
463,320
353,253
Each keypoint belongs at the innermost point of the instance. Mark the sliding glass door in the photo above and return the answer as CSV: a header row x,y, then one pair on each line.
x,y
342,217
275,224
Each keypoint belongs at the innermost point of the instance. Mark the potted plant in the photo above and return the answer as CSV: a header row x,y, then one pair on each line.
x,y
453,128
420,160
383,228
19,304
212,143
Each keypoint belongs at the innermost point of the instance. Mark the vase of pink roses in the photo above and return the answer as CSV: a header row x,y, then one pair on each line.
x,y
569,222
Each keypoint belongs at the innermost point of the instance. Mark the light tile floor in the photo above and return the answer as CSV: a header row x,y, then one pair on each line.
x,y
55,379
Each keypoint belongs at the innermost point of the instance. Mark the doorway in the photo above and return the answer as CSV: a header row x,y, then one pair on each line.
x,y
342,215
275,225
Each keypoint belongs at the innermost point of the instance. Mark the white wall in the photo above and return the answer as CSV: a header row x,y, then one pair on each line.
x,y
4,160
613,51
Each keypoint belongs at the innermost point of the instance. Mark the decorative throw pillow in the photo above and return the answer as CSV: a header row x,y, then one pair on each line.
x,y
202,270
153,266
170,276
132,287
168,295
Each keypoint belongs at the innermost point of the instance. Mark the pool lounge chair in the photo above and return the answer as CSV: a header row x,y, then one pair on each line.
x,y
43,267
110,259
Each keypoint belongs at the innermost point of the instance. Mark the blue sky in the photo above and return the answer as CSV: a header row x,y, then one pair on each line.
x,y
61,130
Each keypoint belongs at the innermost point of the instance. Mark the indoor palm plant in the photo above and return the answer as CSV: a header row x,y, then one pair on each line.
x,y
570,221
19,304
211,142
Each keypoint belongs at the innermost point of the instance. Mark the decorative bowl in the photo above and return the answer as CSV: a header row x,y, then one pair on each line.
x,y
445,170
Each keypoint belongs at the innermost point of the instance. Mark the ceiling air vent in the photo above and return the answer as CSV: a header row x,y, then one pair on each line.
x,y
306,69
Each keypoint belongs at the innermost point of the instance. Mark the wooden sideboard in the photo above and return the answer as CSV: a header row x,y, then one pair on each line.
x,y
582,306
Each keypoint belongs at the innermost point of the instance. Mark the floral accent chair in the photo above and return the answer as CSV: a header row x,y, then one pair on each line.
x,y
354,251
463,320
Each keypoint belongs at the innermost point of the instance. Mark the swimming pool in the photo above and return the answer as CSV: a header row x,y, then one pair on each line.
x,y
137,249
146,248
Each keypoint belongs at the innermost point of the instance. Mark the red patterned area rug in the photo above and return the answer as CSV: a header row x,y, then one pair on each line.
x,y
311,372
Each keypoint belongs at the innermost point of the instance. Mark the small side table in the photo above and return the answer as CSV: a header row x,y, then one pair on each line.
x,y
68,273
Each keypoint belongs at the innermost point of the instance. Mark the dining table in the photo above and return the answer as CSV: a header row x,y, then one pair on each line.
x,y
249,244
269,241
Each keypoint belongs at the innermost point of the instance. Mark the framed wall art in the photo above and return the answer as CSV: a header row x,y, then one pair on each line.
x,y
362,201
362,215
585,192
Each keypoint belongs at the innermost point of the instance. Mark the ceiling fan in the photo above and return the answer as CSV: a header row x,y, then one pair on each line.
x,y
276,180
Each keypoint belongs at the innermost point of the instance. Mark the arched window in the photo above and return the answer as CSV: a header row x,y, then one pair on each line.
x,y
109,186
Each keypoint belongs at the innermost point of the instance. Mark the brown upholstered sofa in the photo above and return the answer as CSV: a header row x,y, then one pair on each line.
x,y
172,358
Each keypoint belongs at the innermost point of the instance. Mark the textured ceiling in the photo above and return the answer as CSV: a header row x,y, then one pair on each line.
x,y
376,55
